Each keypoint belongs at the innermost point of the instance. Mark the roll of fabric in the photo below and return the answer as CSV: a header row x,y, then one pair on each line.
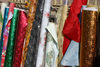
x,y
1,24
51,46
88,37
2,52
58,19
6,31
31,16
97,60
3,6
19,40
35,36
45,20
60,28
11,40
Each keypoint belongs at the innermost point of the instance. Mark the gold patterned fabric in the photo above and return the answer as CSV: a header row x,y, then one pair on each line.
x,y
31,15
88,37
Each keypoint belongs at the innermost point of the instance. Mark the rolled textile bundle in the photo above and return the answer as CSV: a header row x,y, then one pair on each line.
x,y
1,24
60,28
31,16
35,36
88,37
19,40
45,20
11,40
6,31
2,49
97,61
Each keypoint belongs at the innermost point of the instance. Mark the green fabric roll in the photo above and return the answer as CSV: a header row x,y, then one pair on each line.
x,y
11,40
1,24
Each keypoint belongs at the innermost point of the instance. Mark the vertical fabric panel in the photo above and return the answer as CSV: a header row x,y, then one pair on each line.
x,y
88,37
31,16
35,36
11,40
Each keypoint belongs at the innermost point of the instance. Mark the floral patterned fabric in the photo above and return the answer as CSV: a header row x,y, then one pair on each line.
x,y
51,47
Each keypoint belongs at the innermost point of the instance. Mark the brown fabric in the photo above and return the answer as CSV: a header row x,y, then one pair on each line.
x,y
88,38
97,61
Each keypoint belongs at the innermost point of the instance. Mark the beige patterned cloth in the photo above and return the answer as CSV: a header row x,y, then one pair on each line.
x,y
61,17
51,46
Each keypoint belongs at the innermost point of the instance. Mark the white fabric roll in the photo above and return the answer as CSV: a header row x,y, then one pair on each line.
x,y
45,20
3,6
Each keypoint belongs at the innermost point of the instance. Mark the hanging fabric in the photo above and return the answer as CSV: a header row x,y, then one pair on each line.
x,y
2,11
3,6
97,60
88,39
59,31
19,40
51,46
1,24
58,21
71,30
7,27
2,49
71,57
11,40
31,16
45,20
35,36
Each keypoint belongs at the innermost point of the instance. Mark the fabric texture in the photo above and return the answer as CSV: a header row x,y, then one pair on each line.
x,y
31,57
45,20
71,30
51,46
71,57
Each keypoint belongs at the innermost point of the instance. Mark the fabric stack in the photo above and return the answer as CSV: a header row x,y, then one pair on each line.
x,y
49,33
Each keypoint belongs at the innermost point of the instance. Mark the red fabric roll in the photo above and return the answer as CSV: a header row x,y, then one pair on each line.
x,y
20,35
71,30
